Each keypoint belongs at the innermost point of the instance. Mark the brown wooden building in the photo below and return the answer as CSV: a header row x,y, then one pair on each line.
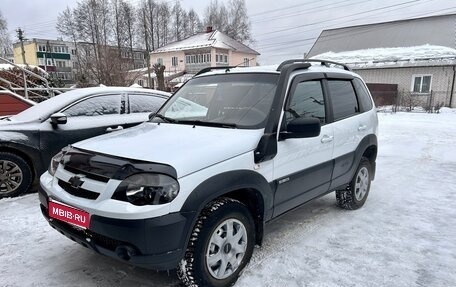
x,y
11,104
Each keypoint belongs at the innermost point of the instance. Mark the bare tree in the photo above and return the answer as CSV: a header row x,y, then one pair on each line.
x,y
159,70
232,21
194,24
216,15
239,24
5,40
178,14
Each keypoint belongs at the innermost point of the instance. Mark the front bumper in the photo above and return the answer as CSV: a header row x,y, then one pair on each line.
x,y
154,243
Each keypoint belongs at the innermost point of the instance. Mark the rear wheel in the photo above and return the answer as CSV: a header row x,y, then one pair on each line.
x,y
355,195
221,245
15,175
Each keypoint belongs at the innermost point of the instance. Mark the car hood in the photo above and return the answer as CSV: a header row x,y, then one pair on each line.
x,y
187,148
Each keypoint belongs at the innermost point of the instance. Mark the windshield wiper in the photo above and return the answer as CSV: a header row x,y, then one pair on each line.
x,y
208,124
164,118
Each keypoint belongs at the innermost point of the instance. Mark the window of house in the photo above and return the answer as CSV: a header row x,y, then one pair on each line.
x,y
160,61
343,99
174,61
225,58
421,83
216,58
306,101
246,62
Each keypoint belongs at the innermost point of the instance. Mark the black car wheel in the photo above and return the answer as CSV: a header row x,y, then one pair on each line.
x,y
221,245
15,175
355,195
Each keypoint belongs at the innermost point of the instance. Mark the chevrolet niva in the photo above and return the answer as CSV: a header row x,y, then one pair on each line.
x,y
193,187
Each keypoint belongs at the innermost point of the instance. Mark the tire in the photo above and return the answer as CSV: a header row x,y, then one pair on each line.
x,y
355,195
15,175
210,239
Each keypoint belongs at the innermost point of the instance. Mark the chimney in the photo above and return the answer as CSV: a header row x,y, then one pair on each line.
x,y
208,29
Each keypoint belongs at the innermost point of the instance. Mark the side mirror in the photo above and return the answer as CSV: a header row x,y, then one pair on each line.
x,y
58,119
302,128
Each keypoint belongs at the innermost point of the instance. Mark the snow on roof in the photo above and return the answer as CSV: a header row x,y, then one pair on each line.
x,y
391,55
215,39
9,67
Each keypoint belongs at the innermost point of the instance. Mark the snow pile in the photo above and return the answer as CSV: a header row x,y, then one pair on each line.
x,y
377,55
403,236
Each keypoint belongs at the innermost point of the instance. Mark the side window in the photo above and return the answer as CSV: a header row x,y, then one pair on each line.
x,y
145,103
306,101
363,94
96,106
343,99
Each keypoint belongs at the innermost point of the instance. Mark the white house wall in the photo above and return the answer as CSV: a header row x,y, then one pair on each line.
x,y
441,83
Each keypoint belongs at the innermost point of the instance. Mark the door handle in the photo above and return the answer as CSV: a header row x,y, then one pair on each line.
x,y
118,128
327,139
362,127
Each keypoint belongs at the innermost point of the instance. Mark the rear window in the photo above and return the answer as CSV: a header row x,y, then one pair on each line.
x,y
343,99
145,103
363,95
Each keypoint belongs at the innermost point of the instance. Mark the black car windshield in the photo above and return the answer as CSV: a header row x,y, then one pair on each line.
x,y
227,100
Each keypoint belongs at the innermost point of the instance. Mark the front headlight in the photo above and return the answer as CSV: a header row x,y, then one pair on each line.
x,y
147,189
55,161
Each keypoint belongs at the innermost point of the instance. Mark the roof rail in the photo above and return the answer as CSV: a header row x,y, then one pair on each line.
x,y
208,69
322,62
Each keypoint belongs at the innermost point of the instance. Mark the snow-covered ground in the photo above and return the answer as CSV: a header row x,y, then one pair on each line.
x,y
405,235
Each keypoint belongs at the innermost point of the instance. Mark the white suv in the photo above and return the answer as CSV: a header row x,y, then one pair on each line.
x,y
232,149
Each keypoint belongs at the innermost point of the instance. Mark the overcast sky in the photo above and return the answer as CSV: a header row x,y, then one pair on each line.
x,y
282,29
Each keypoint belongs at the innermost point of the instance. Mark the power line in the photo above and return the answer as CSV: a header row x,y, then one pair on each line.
x,y
337,18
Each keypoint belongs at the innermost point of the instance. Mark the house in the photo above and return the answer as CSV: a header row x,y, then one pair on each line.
x,y
11,104
60,58
418,55
211,48
53,56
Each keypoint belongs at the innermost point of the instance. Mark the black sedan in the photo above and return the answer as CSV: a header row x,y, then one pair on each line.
x,y
30,139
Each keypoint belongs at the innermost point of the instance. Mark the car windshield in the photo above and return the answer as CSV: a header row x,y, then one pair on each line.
x,y
226,100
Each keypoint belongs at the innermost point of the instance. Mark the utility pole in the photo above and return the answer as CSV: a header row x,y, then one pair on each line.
x,y
20,36
149,80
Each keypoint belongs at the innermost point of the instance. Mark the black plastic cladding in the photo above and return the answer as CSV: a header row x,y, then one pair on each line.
x,y
104,166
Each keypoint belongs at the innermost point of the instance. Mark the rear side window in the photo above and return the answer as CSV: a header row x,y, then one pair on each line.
x,y
145,103
307,102
343,99
363,95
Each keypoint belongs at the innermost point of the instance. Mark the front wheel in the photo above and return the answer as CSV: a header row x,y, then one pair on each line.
x,y
220,246
15,175
355,195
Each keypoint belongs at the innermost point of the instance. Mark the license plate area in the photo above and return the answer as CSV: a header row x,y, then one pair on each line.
x,y
69,214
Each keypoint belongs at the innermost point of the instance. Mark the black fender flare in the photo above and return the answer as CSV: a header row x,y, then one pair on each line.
x,y
367,142
29,153
225,183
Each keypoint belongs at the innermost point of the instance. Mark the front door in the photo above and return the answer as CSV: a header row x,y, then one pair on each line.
x,y
303,167
87,118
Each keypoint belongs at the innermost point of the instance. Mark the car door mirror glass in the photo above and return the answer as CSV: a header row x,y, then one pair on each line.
x,y
58,119
302,128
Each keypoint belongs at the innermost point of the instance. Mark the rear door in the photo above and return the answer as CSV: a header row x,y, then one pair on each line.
x,y
303,166
350,125
140,106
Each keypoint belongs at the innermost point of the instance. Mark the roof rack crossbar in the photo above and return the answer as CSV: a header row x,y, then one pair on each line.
x,y
323,63
208,69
